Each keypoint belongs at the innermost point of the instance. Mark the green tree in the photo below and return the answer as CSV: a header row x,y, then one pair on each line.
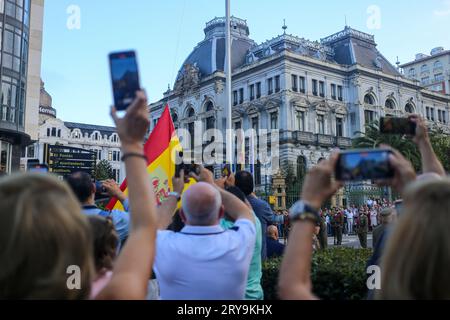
x,y
294,181
441,145
372,138
103,171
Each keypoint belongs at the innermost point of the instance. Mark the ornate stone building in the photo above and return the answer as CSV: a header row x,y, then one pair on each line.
x,y
101,139
318,94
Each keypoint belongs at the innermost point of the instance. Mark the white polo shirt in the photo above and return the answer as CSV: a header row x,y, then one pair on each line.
x,y
205,263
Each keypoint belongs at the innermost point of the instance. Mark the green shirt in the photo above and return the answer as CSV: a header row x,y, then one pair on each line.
x,y
254,290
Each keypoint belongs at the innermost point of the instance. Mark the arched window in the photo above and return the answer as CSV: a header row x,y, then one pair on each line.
x,y
76,134
438,65
390,104
301,167
210,122
191,112
209,106
412,73
96,136
369,99
409,108
174,117
424,68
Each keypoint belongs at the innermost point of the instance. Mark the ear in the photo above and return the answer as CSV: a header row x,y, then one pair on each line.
x,y
182,216
93,188
221,212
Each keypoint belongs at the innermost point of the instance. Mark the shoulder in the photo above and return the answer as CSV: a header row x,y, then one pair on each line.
x,y
244,225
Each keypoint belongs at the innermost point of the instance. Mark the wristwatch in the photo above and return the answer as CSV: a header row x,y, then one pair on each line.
x,y
301,211
175,194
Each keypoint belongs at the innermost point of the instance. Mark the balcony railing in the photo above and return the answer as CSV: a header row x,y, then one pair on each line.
x,y
304,137
324,140
343,142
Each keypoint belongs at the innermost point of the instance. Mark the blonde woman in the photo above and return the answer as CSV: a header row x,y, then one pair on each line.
x,y
44,237
417,258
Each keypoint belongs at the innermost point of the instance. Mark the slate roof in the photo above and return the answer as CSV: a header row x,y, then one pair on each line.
x,y
209,55
347,47
355,47
89,128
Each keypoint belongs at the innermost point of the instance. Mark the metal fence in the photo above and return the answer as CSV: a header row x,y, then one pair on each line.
x,y
352,194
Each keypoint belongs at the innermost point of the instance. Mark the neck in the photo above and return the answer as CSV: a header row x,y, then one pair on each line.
x,y
89,202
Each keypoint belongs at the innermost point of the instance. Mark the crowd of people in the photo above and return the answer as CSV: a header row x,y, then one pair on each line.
x,y
213,246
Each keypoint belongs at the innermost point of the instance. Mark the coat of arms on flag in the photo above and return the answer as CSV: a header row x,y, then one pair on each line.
x,y
160,149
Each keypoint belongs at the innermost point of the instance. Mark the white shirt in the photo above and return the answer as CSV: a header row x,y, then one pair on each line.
x,y
349,214
205,263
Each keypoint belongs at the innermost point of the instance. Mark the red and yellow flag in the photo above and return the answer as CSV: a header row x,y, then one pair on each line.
x,y
160,150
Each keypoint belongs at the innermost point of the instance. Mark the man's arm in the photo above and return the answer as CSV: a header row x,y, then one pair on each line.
x,y
268,214
295,279
132,269
168,208
235,208
430,162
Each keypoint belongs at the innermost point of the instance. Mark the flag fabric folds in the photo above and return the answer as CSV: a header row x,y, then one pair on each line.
x,y
160,149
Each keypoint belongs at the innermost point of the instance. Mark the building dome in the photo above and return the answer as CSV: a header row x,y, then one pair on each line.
x,y
209,55
45,105
45,99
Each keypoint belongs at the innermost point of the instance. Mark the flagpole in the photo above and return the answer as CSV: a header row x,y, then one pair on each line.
x,y
229,134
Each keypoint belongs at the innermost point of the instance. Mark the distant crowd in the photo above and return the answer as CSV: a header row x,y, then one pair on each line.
x,y
209,241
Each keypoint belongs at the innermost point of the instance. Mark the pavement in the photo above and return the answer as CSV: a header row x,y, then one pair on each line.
x,y
351,241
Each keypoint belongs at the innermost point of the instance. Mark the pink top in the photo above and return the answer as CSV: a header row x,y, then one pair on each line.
x,y
99,284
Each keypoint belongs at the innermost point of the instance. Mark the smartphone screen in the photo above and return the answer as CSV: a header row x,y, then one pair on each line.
x,y
359,165
125,78
40,168
391,125
226,170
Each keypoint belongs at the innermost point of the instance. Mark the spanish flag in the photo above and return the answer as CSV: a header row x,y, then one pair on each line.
x,y
160,149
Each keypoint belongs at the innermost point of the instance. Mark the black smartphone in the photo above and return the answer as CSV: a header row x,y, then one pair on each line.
x,y
125,78
391,125
359,165
187,167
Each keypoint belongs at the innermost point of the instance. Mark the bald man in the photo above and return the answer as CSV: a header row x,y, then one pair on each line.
x,y
204,261
274,247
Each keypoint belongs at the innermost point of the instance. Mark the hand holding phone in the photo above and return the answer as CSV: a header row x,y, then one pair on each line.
x,y
359,165
125,78
391,125
226,170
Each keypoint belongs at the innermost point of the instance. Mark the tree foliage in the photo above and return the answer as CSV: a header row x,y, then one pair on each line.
x,y
372,138
103,171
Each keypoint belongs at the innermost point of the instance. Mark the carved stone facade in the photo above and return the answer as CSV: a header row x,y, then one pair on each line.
x,y
317,94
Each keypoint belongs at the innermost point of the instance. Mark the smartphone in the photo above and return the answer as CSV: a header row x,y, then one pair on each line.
x,y
186,167
391,125
125,78
42,168
226,170
359,165
99,187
